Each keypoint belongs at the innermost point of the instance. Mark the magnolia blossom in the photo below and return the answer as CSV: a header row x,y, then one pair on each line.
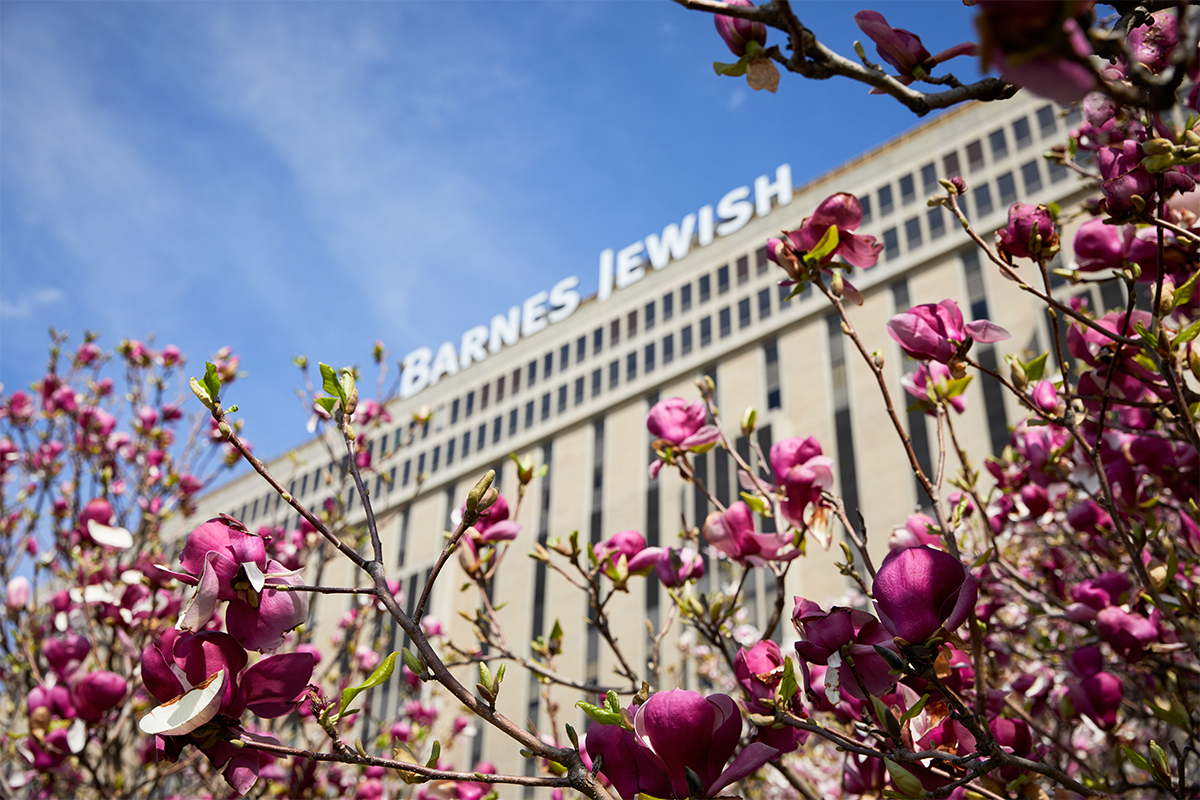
x,y
937,332
826,636
759,670
920,590
738,32
1098,246
1096,694
676,566
903,49
493,524
681,425
841,212
732,532
1040,48
17,592
917,384
804,473
676,732
1030,233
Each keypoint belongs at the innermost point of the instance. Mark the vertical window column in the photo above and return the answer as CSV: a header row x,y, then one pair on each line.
x,y
594,535
847,473
918,433
993,392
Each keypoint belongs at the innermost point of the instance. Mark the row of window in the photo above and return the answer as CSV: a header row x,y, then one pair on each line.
x,y
1022,134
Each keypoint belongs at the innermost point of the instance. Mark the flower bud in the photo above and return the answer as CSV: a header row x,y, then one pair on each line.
x,y
836,285
17,595
960,186
1157,147
749,417
480,490
1016,372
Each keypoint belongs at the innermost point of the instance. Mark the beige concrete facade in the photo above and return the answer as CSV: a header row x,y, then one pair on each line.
x,y
595,438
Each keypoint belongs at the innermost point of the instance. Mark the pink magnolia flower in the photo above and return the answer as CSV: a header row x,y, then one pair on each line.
x,y
1045,396
629,544
937,332
1152,43
171,356
917,530
676,732
1030,233
919,590
1041,48
917,382
227,562
677,566
803,472
16,595
841,211
759,671
732,532
681,425
824,635
903,49
87,353
738,32
1097,694
494,525
99,692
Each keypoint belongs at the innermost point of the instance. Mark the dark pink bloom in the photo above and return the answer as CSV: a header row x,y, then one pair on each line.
x,y
1099,246
841,211
494,525
1127,633
1153,43
622,543
1040,48
803,472
916,383
1030,233
919,590
676,732
738,32
917,530
937,331
903,49
759,671
681,425
170,356
99,692
677,566
65,653
733,534
87,353
1097,694
823,635
1045,396
1097,349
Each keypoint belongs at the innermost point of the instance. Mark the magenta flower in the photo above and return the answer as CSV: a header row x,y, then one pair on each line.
x,y
804,473
732,532
841,211
621,543
1153,43
1045,396
842,639
1129,634
1030,233
681,425
99,692
1041,48
16,595
917,383
677,566
676,732
494,525
227,562
1097,694
759,671
917,530
738,32
898,47
937,332
919,590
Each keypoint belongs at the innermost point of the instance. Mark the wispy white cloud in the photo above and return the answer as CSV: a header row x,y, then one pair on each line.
x,y
27,303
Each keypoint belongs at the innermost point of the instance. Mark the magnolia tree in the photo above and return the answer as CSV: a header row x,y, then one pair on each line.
x,y
1037,634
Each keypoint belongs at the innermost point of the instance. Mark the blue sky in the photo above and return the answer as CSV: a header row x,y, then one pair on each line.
x,y
310,177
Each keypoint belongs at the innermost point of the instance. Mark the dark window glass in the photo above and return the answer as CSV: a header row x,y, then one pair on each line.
x,y
761,262
912,232
420,464
614,374
648,315
597,341
1111,294
450,451
516,381
885,200
999,144
743,312
454,411
993,401
614,332
975,155
1031,176
497,426
407,472
1007,187
529,414
983,200
743,270
580,349
865,202
685,340
668,348
512,422
466,444
631,324
470,403
532,374
548,365
1022,133
595,382
631,366
950,166
891,244
764,304
481,436
937,222
908,189
784,297
564,357
578,391
723,279
1058,172
705,288
1046,121
724,317
685,297
929,181
668,305
648,357
774,396
545,406
706,332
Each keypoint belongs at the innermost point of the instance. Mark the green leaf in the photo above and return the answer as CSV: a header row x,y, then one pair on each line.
x,y
1035,368
434,752
826,246
916,709
755,502
327,403
887,718
1184,291
541,471
1149,337
381,674
787,684
330,383
1139,760
732,70
598,714
956,387
799,287
1188,333
212,380
346,381
486,677
904,780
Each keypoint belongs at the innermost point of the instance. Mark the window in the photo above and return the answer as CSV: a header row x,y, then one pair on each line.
x,y
481,437
631,366
1074,116
743,270
785,300
580,348
437,457
891,244
761,262
908,189
723,279
912,232
725,321
668,348
532,370
685,340
950,166
454,411
705,289
407,472
1007,188
516,381
512,421
685,297
450,451
648,315
595,383
1046,123
865,202
706,332
764,304
1022,133
631,324
668,306
983,200
614,374
529,414
562,398
929,181
597,341
564,357
545,406
1058,172
578,391
1032,176
975,155
937,223
648,357
885,200
774,397
614,333
466,444
744,312
470,403
999,144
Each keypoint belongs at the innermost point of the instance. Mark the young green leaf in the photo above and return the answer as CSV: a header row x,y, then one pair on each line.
x,y
330,383
381,674
212,381
1035,368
